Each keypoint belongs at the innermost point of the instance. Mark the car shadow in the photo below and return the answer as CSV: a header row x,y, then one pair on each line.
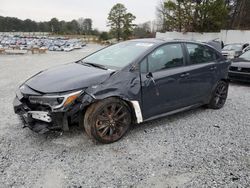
x,y
169,120
74,130
237,83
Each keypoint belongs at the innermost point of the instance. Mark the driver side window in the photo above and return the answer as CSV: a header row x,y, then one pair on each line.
x,y
165,57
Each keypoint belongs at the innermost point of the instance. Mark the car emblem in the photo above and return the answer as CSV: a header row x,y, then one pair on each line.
x,y
239,68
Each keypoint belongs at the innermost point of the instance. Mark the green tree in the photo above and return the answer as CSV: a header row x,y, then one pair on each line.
x,y
161,13
239,14
54,25
128,26
142,31
74,27
95,32
212,16
104,36
29,25
120,21
43,26
179,15
116,19
196,15
87,26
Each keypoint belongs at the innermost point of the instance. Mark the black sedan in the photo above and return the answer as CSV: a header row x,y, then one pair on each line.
x,y
130,82
240,68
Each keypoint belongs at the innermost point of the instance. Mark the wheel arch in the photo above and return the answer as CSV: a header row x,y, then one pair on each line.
x,y
133,105
225,80
214,87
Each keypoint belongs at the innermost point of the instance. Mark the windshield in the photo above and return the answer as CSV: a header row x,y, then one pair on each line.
x,y
119,55
246,55
236,47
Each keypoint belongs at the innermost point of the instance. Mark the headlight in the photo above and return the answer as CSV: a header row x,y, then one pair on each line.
x,y
55,101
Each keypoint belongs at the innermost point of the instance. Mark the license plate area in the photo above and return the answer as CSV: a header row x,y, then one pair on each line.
x,y
40,115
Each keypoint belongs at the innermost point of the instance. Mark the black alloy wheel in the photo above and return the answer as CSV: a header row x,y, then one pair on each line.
x,y
219,97
108,120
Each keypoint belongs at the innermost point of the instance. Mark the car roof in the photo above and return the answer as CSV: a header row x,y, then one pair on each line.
x,y
159,41
236,44
149,40
162,41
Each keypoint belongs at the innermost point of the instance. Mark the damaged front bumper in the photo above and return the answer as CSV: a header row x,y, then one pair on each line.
x,y
40,121
42,118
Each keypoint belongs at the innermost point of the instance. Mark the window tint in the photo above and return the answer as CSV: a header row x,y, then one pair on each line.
x,y
167,56
144,66
201,54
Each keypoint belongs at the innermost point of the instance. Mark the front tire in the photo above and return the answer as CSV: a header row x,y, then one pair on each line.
x,y
219,95
108,120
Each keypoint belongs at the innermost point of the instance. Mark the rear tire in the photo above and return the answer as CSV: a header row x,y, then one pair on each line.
x,y
219,95
108,120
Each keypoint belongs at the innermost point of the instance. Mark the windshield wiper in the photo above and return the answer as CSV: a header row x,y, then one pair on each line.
x,y
95,65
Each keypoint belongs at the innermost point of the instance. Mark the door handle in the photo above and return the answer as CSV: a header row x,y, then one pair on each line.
x,y
149,75
150,78
184,75
213,68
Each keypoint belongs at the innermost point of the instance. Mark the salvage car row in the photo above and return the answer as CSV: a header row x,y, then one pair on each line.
x,y
239,54
240,68
234,50
44,42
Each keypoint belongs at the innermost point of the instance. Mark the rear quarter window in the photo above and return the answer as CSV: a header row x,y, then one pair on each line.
x,y
201,54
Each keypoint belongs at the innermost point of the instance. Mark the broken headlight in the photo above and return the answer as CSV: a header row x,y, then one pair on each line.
x,y
55,101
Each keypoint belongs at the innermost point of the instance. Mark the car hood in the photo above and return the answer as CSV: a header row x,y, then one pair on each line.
x,y
67,77
239,62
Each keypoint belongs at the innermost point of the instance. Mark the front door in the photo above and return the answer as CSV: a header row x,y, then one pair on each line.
x,y
161,74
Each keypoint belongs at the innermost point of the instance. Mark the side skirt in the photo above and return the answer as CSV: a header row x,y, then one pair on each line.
x,y
174,112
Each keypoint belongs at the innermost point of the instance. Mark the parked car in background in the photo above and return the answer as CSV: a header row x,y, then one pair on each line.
x,y
246,49
126,83
216,43
240,68
68,48
231,51
51,43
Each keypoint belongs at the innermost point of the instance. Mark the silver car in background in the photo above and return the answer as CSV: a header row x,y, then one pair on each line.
x,y
232,51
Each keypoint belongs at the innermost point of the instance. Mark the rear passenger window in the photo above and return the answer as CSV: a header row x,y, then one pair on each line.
x,y
201,54
165,57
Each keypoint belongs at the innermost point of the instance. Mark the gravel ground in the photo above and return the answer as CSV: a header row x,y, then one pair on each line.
x,y
199,148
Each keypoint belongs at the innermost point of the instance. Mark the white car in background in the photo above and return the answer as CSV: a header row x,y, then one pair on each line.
x,y
232,51
68,48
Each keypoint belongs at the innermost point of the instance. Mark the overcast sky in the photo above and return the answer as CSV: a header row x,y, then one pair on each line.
x,y
44,10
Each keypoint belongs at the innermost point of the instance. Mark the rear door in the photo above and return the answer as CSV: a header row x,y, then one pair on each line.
x,y
203,70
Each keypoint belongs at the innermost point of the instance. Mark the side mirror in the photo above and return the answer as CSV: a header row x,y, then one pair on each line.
x,y
133,67
149,75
